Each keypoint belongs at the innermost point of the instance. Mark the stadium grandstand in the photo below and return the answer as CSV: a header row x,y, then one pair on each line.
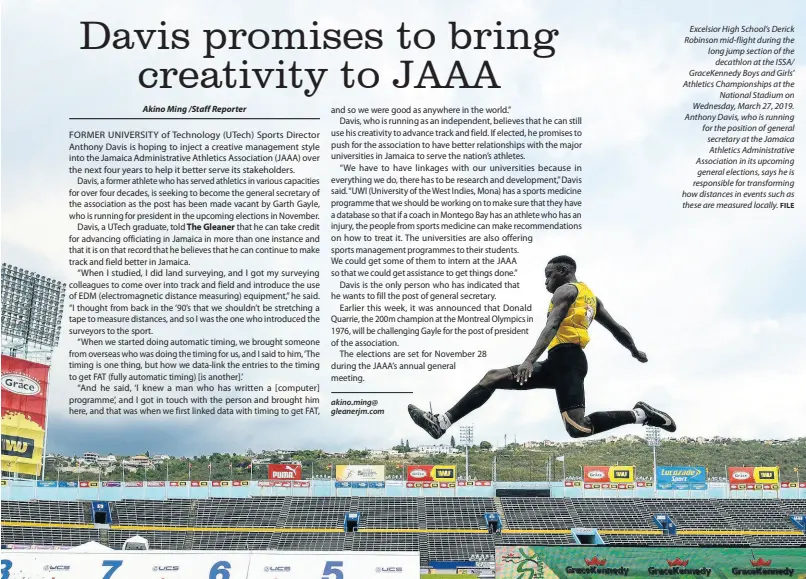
x,y
440,529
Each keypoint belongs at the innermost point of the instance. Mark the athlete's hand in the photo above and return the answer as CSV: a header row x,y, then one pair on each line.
x,y
640,356
524,372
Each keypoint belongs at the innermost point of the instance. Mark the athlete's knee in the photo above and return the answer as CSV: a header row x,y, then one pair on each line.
x,y
577,425
492,377
575,431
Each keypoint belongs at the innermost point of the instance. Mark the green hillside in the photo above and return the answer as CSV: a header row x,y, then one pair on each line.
x,y
515,463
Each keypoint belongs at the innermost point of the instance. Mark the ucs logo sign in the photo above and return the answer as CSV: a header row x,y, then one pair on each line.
x,y
389,569
276,569
160,568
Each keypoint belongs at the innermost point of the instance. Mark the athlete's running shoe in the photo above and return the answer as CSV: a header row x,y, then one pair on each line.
x,y
656,417
426,420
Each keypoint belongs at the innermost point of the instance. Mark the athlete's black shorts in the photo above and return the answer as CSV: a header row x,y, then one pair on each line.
x,y
563,371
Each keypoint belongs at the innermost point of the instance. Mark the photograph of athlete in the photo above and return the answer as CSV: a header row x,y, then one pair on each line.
x,y
572,309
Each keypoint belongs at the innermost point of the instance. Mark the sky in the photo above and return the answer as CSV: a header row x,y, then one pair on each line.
x,y
712,298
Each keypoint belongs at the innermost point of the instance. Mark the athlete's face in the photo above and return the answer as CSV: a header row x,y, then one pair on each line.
x,y
555,277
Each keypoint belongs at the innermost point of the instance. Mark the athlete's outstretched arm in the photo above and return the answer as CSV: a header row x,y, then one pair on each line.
x,y
562,299
619,332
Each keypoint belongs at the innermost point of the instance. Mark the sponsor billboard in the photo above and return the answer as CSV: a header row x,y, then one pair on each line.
x,y
360,473
681,477
213,564
24,408
430,473
474,483
297,484
285,471
753,475
422,485
361,484
608,474
514,562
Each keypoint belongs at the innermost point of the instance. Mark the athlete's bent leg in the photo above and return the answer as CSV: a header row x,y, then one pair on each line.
x,y
502,379
479,394
579,426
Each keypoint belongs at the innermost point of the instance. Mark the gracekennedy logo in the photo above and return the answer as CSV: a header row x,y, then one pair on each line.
x,y
763,566
511,556
596,474
596,566
678,567
20,384
677,562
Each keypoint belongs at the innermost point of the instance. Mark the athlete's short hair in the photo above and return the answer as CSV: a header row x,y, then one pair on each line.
x,y
564,260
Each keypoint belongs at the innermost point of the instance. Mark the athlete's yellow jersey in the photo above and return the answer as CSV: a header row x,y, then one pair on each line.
x,y
574,328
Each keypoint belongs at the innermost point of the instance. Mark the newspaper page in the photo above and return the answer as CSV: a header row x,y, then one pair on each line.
x,y
351,289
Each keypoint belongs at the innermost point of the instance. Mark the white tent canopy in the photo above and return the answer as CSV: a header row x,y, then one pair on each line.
x,y
135,543
91,547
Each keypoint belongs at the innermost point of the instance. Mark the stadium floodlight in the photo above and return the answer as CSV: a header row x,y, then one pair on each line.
x,y
466,438
653,440
32,309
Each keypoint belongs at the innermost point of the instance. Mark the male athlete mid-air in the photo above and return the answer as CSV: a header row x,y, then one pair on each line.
x,y
572,310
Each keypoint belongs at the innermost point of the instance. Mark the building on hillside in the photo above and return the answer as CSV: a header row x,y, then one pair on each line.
x,y
138,461
390,452
90,457
436,449
105,461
